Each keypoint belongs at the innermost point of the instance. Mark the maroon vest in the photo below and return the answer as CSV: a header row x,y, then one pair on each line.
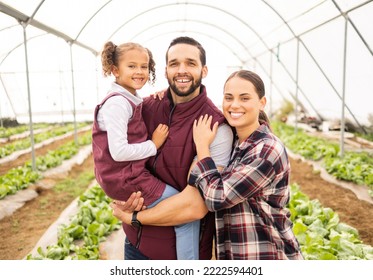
x,y
172,165
121,178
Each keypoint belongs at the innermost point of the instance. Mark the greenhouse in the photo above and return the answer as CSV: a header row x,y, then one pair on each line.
x,y
315,58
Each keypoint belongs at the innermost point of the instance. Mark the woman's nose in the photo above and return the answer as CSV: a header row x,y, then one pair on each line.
x,y
235,103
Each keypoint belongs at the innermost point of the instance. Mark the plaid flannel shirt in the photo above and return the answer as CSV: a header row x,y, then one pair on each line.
x,y
249,199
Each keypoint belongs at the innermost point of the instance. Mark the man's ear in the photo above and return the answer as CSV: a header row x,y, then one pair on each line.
x,y
204,71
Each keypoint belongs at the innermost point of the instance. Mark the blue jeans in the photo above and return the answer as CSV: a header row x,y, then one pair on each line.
x,y
132,253
187,236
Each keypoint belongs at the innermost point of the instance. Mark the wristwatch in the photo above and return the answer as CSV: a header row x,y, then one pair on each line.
x,y
135,222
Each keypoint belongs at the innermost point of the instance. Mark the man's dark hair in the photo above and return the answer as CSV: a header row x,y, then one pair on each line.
x,y
189,41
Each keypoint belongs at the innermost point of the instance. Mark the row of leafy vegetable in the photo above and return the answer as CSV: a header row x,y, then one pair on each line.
x,y
80,239
356,167
22,144
320,233
6,132
21,177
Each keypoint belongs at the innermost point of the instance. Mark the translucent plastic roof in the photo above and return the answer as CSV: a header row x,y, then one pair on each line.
x,y
316,51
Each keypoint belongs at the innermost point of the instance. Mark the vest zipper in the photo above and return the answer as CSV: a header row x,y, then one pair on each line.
x,y
170,116
158,151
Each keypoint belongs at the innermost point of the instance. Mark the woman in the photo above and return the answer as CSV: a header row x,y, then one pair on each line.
x,y
249,196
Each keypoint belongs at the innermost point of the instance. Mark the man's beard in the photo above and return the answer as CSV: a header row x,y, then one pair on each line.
x,y
195,84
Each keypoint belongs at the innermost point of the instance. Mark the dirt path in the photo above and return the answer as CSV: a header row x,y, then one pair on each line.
x,y
22,230
351,210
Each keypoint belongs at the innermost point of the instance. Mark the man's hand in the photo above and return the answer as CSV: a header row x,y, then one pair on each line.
x,y
123,209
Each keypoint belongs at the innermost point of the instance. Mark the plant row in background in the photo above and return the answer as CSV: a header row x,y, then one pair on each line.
x,y
21,177
320,233
80,239
368,136
6,132
356,167
38,138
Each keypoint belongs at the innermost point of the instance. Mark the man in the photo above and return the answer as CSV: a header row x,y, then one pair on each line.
x,y
185,100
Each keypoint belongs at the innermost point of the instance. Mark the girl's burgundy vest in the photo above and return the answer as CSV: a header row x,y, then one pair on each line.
x,y
172,164
121,178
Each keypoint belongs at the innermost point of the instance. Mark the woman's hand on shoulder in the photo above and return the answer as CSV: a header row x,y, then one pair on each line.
x,y
204,135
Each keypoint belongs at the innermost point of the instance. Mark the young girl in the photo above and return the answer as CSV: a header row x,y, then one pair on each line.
x,y
249,196
119,139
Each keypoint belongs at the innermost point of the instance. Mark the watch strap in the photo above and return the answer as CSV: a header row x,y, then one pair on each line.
x,y
135,221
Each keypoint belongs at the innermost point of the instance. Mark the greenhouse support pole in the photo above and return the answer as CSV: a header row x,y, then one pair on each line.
x,y
1,117
24,25
61,96
271,86
297,89
344,90
9,99
97,82
73,89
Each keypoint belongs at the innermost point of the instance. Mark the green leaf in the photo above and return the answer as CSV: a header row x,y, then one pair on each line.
x,y
342,227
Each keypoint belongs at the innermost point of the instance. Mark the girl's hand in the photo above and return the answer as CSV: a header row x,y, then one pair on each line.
x,y
203,135
160,135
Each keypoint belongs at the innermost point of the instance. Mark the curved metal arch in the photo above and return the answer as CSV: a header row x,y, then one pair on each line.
x,y
314,60
88,21
223,43
231,15
196,4
8,27
22,18
209,6
214,38
345,14
196,32
21,44
34,13
221,10
204,23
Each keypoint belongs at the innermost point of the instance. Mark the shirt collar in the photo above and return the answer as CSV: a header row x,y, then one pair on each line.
x,y
261,132
136,99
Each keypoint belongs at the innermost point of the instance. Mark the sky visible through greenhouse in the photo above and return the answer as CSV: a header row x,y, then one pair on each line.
x,y
257,35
